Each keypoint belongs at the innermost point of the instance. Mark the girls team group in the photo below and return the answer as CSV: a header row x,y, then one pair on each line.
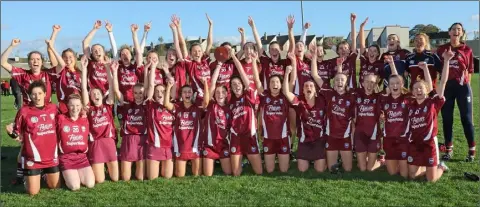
x,y
187,108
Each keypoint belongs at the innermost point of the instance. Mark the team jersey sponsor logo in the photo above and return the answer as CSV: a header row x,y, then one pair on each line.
x,y
34,119
129,111
66,129
284,148
136,111
225,152
83,129
386,106
265,149
52,116
75,129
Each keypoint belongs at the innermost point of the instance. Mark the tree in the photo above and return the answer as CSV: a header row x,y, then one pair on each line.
x,y
328,42
160,40
421,28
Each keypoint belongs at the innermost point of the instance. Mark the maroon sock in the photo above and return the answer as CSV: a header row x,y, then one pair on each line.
x,y
471,147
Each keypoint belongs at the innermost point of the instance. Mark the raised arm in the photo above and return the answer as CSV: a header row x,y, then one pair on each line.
x,y
61,64
207,94
116,89
151,81
303,38
89,37
210,36
166,100
353,35
109,28
146,29
426,74
447,56
256,36
293,74
138,52
391,63
53,60
8,67
181,40
176,43
84,80
285,88
291,38
256,76
214,79
242,42
361,36
111,97
315,76
239,67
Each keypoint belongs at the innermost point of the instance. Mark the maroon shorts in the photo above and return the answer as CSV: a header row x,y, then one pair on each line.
x,y
276,146
395,148
132,148
28,163
243,145
220,150
364,143
102,151
423,154
311,150
338,144
158,153
73,161
185,156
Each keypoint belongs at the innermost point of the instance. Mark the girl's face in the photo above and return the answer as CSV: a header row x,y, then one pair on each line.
x,y
74,107
96,96
275,85
419,90
126,56
340,83
171,58
138,94
373,53
343,50
152,57
309,89
369,82
97,52
69,59
420,43
220,95
38,96
159,94
395,85
249,49
187,94
299,49
35,63
237,87
393,42
197,53
274,51
456,32
320,53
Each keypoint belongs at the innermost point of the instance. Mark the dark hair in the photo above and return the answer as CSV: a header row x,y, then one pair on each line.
x,y
185,86
74,96
195,44
126,47
159,85
69,50
341,43
324,51
272,43
404,90
456,23
91,54
29,56
276,76
222,86
253,45
378,49
225,44
235,77
36,84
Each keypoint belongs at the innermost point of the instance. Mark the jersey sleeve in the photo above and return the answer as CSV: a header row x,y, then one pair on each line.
x,y
353,73
17,74
19,120
250,96
437,63
437,101
470,62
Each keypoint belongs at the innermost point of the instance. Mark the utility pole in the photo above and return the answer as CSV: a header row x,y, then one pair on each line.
x,y
301,8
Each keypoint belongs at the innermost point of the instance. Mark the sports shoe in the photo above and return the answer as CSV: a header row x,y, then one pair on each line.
x,y
335,168
442,147
443,166
469,158
293,158
18,181
447,156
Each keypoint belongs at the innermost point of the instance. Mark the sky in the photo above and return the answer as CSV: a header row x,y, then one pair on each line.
x,y
32,21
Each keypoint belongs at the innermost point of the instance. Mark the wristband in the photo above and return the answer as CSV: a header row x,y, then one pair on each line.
x,y
13,135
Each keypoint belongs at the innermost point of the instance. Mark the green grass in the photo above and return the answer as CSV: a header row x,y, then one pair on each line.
x,y
290,189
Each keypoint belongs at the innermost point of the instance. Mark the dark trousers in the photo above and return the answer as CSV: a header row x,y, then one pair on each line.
x,y
18,98
463,95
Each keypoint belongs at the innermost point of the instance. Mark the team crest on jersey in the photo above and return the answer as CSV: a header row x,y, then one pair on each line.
x,y
254,149
425,109
129,111
430,161
397,57
417,111
410,159
326,145
412,62
404,154
394,105
265,149
281,101
66,129
30,163
177,154
374,101
346,145
348,103
366,101
410,112
225,153
205,152
83,129
75,129
403,105
321,112
119,116
52,116
359,100
234,149
34,119
185,115
284,149
268,100
333,98
386,106
194,114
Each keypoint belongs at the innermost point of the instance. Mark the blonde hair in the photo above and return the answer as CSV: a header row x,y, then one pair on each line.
x,y
427,39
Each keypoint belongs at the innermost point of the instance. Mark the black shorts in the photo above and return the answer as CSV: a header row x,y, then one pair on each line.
x,y
33,172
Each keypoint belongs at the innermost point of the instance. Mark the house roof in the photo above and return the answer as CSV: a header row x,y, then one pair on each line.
x,y
267,40
195,41
282,39
375,31
438,35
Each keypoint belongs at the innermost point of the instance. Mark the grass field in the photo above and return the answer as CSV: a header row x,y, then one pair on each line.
x,y
290,189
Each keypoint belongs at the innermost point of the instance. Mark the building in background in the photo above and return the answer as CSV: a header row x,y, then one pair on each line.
x,y
438,38
401,32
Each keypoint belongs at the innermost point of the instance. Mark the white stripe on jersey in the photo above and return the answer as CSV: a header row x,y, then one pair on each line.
x,y
156,139
175,142
302,138
253,130
327,131
195,143
297,87
437,155
264,126
209,133
90,137
36,154
62,94
374,135
347,132
430,131
284,130
407,130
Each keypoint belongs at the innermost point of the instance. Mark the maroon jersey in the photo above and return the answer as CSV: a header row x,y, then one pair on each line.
x,y
67,83
37,127
72,135
97,76
270,68
248,68
349,68
186,131
243,120
461,65
340,111
25,77
180,75
423,119
196,71
226,72
127,78
367,113
274,115
368,68
326,72
433,62
159,125
304,74
132,118
100,121
396,115
216,124
312,118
